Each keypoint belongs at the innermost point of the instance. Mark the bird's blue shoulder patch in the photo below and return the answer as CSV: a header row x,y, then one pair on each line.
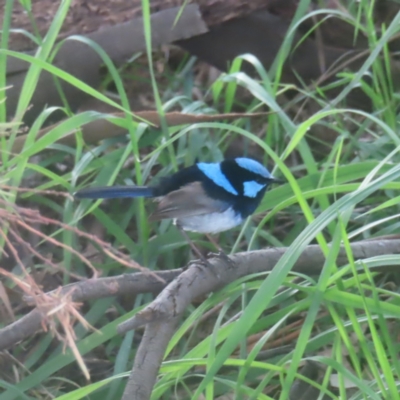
x,y
253,166
251,188
214,173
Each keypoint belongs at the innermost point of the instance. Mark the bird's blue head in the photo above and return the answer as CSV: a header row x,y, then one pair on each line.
x,y
243,177
260,179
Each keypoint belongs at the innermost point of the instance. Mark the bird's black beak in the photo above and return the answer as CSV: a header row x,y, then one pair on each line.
x,y
278,181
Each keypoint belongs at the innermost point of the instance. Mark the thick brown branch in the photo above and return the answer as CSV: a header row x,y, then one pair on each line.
x,y
198,281
148,359
194,282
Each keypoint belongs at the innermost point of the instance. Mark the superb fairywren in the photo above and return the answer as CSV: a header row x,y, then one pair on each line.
x,y
205,197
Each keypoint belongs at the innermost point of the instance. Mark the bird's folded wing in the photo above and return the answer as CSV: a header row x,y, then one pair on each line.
x,y
190,200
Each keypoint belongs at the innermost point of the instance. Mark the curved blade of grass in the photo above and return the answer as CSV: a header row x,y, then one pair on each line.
x,y
83,392
64,76
5,33
41,56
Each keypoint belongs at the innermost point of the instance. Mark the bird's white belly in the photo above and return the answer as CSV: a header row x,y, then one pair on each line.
x,y
211,223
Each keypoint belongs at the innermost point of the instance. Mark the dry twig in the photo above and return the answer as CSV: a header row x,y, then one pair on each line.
x,y
134,283
56,311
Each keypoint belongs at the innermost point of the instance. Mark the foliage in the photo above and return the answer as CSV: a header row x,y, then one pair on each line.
x,y
345,192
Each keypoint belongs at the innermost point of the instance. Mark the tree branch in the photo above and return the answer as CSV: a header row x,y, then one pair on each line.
x,y
148,359
199,281
134,283
180,289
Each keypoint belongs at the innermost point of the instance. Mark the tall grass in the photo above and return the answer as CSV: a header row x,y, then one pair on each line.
x,y
348,194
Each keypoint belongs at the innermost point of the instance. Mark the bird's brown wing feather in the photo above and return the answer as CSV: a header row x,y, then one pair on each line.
x,y
187,201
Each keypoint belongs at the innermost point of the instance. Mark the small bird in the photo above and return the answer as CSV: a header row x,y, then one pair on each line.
x,y
205,197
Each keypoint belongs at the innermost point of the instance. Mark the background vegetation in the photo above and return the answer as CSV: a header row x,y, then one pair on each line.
x,y
338,191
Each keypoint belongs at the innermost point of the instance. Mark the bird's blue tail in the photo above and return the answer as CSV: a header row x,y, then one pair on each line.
x,y
113,192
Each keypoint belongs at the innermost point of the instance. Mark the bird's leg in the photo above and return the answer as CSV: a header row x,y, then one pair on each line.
x,y
221,254
192,245
215,243
203,259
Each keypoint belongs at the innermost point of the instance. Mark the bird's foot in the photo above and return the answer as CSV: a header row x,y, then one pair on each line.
x,y
203,262
224,257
